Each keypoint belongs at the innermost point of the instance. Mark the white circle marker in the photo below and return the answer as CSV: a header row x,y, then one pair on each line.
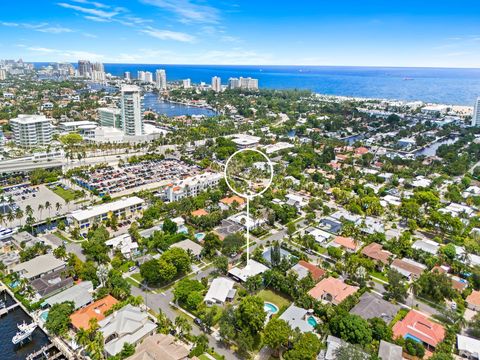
x,y
245,195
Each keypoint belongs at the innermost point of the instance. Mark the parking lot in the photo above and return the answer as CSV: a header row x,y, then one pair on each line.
x,y
34,196
132,177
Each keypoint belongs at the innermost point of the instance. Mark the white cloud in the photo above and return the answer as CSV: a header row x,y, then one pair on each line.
x,y
94,3
168,35
40,27
97,19
95,12
187,11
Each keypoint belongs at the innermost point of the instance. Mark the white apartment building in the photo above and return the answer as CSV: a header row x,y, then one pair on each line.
x,y
192,186
161,79
132,110
476,113
187,83
148,77
216,84
3,74
110,117
31,130
141,75
98,76
127,76
243,83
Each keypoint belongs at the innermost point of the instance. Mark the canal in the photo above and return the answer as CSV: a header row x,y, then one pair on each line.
x,y
8,329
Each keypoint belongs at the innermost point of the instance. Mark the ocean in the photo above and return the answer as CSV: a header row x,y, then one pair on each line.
x,y
436,85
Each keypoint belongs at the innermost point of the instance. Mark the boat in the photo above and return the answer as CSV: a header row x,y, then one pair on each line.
x,y
408,78
26,331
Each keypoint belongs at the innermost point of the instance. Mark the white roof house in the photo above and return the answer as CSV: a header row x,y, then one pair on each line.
x,y
296,317
128,325
80,294
321,236
188,244
296,200
426,245
220,289
421,181
253,268
124,243
106,208
245,141
272,148
245,220
468,347
38,266
457,209
344,214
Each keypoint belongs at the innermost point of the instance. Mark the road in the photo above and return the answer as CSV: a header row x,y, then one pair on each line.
x,y
162,301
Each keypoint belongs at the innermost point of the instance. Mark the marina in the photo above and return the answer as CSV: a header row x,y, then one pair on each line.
x,y
16,321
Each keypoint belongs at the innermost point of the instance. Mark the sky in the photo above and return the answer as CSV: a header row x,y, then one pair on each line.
x,y
421,33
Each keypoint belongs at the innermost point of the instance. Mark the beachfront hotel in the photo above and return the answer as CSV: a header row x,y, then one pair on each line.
x,y
124,208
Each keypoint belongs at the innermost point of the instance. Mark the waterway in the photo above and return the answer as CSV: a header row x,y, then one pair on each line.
x,y
8,329
431,150
152,101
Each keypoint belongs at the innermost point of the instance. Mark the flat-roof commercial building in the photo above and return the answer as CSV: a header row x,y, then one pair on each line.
x,y
126,207
71,126
31,130
110,117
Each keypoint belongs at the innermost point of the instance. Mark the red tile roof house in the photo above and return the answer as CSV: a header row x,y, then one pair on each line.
x,y
315,271
332,290
376,252
347,243
418,327
473,300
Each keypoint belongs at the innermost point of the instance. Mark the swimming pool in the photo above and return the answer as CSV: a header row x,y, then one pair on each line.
x,y
270,308
199,236
44,316
312,321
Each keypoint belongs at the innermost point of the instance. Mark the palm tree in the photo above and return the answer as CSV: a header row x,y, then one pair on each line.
x,y
10,216
29,210
67,201
58,206
19,215
48,207
40,208
82,337
182,325
2,218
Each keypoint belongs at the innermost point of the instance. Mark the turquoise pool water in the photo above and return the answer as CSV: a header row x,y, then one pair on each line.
x,y
199,236
270,308
14,284
311,321
182,229
44,315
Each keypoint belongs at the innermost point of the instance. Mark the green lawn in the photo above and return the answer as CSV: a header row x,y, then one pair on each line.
x,y
59,235
132,282
274,298
378,275
204,357
137,277
69,194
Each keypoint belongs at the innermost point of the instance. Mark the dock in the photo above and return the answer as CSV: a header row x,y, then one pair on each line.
x,y
6,310
41,352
